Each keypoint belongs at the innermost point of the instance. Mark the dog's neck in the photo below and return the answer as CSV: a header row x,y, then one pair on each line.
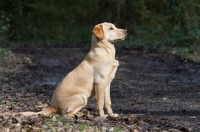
x,y
99,47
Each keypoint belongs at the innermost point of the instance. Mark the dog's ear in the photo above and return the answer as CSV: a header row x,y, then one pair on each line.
x,y
98,31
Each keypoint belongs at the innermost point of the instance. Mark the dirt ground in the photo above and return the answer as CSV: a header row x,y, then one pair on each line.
x,y
151,91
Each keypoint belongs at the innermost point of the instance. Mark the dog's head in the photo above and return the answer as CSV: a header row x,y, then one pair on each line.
x,y
108,32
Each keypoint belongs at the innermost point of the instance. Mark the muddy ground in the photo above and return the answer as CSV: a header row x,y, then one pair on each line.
x,y
151,91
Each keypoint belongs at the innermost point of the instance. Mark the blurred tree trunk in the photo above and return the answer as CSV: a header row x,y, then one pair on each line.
x,y
128,9
20,9
176,14
129,16
182,16
118,12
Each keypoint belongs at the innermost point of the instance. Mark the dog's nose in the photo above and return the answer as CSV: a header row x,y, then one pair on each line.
x,y
125,31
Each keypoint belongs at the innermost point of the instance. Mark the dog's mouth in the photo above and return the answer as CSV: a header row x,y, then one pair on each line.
x,y
119,39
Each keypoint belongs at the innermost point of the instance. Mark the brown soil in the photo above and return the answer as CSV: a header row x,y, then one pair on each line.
x,y
151,91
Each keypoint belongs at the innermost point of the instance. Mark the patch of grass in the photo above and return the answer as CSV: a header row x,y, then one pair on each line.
x,y
187,53
70,124
4,56
4,52
51,122
1,72
58,121
117,129
82,127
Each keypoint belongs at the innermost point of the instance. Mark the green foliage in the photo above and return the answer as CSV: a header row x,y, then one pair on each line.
x,y
51,121
150,23
4,56
4,52
59,35
82,127
116,129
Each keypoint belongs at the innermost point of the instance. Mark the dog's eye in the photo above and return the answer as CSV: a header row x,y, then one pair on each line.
x,y
110,28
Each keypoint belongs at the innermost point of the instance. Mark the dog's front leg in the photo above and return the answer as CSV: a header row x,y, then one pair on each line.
x,y
99,94
107,92
108,102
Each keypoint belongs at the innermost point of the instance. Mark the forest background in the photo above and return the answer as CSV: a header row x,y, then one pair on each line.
x,y
155,24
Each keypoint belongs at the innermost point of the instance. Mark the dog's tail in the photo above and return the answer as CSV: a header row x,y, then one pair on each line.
x,y
46,111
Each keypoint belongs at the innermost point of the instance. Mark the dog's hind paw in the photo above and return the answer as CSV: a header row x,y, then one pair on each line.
x,y
104,116
113,115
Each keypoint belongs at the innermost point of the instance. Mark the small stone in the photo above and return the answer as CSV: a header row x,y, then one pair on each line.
x,y
165,98
135,130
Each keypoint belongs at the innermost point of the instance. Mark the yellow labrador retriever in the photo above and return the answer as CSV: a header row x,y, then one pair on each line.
x,y
91,78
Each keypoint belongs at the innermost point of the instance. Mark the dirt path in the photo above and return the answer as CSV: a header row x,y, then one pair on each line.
x,y
151,91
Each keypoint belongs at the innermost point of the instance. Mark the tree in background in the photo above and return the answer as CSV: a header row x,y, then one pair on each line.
x,y
151,23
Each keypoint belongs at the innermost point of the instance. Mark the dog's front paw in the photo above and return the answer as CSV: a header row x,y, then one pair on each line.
x,y
103,116
113,115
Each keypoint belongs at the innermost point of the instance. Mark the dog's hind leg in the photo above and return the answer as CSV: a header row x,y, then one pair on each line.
x,y
75,104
